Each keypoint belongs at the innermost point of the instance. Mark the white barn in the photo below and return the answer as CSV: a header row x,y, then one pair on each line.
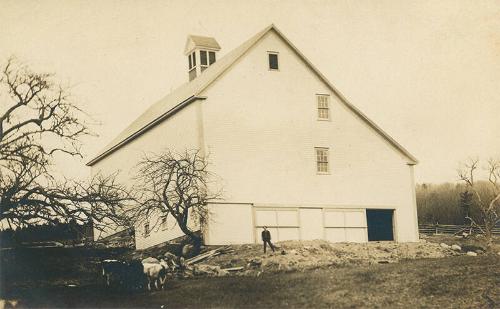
x,y
293,154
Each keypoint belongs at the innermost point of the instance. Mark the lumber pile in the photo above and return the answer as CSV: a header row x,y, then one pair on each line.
x,y
193,266
209,254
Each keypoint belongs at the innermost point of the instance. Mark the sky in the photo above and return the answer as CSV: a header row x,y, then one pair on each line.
x,y
427,72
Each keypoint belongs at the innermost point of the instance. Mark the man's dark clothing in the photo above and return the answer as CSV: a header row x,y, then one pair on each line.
x,y
266,238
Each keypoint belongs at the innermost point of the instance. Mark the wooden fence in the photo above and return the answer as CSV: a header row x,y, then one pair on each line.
x,y
449,229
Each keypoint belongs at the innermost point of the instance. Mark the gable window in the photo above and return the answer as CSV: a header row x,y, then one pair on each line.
x,y
273,61
146,229
323,106
322,160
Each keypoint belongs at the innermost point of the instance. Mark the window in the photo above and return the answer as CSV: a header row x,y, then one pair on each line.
x,y
146,229
273,61
203,57
192,61
322,160
323,107
164,223
192,66
206,58
203,60
211,58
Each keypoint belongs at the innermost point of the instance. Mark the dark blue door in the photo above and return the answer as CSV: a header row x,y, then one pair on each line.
x,y
379,224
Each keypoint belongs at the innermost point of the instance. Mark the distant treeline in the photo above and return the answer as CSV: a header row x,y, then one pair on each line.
x,y
63,232
449,203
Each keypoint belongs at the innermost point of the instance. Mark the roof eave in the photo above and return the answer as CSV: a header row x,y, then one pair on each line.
x,y
145,128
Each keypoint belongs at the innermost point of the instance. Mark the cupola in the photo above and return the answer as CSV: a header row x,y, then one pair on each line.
x,y
201,52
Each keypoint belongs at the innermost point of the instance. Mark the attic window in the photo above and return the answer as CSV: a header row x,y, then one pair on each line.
x,y
323,107
273,61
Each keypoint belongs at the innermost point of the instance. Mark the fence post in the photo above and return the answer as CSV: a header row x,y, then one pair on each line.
x,y
437,223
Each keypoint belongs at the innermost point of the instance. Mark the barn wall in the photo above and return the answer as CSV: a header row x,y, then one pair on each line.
x,y
229,224
261,130
180,132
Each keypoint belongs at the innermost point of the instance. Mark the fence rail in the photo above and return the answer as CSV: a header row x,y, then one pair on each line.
x,y
449,229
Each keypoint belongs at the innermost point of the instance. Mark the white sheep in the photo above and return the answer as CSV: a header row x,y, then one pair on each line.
x,y
156,274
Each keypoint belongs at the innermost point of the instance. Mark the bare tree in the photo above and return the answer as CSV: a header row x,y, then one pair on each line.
x,y
488,202
37,121
175,185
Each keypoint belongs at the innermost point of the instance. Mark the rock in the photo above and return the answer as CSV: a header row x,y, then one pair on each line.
x,y
444,246
471,253
254,263
209,270
456,248
479,251
474,248
283,252
222,272
151,260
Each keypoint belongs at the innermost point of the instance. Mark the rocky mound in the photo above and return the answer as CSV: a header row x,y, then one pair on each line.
x,y
299,256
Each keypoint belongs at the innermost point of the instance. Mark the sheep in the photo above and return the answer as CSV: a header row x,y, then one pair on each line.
x,y
156,274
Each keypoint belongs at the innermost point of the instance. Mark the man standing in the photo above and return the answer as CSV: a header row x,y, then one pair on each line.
x,y
266,238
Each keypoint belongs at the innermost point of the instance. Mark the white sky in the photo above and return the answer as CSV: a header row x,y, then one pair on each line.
x,y
427,72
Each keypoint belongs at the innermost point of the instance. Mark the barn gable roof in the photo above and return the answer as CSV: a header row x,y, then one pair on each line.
x,y
191,91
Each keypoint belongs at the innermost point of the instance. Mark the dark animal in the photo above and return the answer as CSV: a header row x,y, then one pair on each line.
x,y
112,272
123,275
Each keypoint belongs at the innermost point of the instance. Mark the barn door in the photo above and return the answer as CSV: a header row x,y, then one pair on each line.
x,y
311,223
380,224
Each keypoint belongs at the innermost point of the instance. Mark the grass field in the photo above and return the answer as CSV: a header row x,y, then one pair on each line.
x,y
452,282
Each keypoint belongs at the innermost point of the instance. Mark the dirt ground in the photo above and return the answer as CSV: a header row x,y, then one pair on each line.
x,y
298,274
450,282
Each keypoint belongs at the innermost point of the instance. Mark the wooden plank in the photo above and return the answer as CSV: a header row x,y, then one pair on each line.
x,y
233,268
